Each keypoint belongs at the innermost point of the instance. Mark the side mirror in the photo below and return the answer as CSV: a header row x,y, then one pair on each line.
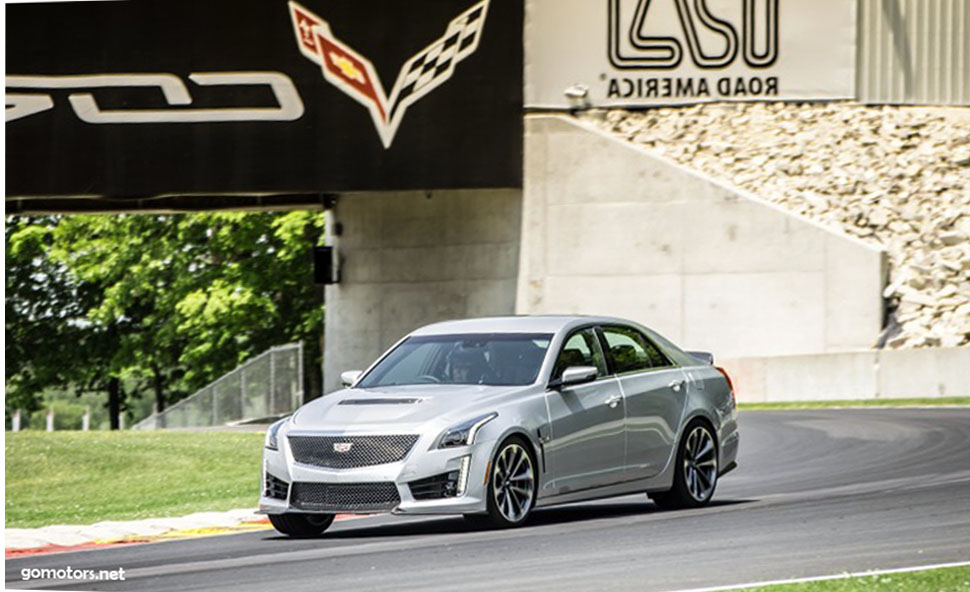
x,y
349,377
575,375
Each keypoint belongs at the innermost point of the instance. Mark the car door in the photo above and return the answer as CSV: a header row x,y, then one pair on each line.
x,y
586,445
654,390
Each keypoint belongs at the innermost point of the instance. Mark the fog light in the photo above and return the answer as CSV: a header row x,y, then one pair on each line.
x,y
436,487
451,485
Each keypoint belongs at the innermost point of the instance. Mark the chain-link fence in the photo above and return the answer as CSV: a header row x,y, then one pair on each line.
x,y
268,385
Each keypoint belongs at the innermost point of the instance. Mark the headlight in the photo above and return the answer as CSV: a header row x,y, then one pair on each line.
x,y
464,434
271,442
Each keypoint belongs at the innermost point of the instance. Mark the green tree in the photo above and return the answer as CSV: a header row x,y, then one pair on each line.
x,y
45,311
171,301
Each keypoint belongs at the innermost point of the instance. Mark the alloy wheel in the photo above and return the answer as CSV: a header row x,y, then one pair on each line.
x,y
700,464
513,482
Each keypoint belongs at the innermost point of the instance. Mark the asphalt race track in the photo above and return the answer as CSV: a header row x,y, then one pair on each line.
x,y
817,492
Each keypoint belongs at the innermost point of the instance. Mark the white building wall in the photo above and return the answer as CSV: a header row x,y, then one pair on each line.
x,y
413,258
914,52
611,229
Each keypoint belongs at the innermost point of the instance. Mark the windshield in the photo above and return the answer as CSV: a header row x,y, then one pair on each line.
x,y
497,359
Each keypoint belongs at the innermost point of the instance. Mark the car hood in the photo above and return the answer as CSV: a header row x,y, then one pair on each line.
x,y
397,408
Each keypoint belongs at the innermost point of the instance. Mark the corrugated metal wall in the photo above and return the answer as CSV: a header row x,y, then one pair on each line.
x,y
914,52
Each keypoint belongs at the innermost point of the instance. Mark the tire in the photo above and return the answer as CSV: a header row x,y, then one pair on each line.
x,y
512,487
695,474
301,525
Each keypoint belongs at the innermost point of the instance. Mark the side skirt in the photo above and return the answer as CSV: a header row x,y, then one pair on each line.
x,y
661,482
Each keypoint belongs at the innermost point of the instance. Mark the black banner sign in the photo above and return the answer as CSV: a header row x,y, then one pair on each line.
x,y
144,97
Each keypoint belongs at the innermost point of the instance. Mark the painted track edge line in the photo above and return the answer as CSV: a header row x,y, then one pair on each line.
x,y
842,576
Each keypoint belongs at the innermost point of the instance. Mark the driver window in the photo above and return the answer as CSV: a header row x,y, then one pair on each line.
x,y
581,349
418,361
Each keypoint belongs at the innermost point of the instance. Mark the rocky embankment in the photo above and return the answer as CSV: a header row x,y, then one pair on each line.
x,y
898,177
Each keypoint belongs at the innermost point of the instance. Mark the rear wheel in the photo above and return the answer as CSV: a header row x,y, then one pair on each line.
x,y
511,491
301,525
695,474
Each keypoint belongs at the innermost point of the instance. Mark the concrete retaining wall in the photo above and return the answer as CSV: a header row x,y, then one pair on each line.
x,y
609,228
606,228
883,374
413,258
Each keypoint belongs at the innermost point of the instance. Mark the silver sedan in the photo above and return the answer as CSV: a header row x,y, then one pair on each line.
x,y
491,418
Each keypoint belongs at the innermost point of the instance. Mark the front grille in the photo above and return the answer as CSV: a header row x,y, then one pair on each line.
x,y
345,497
364,451
275,487
437,487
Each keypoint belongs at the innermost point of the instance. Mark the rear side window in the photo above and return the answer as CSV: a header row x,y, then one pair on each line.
x,y
630,351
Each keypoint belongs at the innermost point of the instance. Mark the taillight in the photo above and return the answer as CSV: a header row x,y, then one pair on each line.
x,y
730,384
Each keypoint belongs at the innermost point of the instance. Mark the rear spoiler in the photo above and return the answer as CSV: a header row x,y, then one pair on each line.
x,y
706,357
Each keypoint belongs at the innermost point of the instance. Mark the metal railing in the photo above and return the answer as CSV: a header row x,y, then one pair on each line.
x,y
268,385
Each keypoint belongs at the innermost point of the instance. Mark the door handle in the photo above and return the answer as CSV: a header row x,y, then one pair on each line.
x,y
676,385
613,401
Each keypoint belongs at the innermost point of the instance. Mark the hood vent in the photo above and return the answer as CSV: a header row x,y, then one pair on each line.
x,y
385,401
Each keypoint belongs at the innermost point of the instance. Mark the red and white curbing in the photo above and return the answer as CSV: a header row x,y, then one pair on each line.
x,y
61,538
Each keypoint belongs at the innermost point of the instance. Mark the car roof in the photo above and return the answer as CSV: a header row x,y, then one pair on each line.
x,y
515,324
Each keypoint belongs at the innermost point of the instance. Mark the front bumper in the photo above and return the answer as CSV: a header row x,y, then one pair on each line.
x,y
420,463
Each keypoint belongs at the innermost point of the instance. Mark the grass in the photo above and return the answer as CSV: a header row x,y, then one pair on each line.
x,y
85,477
949,579
914,402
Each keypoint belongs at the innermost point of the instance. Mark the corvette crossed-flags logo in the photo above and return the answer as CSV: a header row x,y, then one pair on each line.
x,y
355,75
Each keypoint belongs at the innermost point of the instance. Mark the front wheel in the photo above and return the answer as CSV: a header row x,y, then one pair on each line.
x,y
695,474
301,525
511,490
